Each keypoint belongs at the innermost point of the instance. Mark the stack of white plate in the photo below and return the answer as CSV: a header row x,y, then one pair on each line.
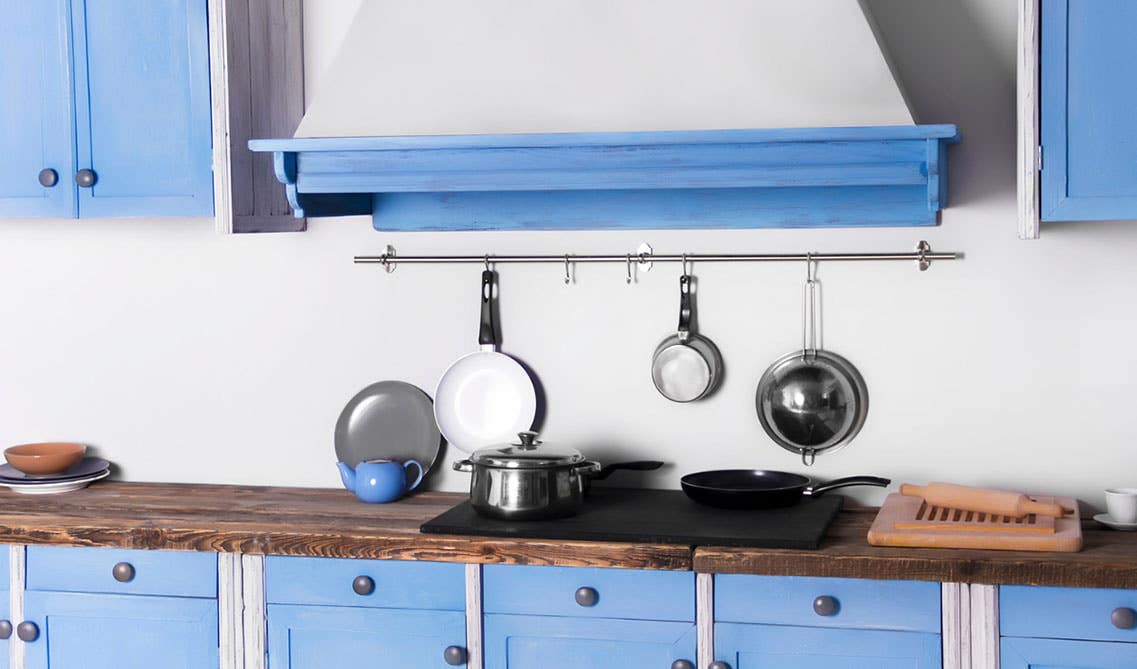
x,y
80,476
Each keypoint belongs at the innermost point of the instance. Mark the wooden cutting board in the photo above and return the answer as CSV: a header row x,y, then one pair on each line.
x,y
911,522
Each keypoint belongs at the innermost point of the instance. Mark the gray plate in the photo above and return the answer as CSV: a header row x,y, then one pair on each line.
x,y
388,420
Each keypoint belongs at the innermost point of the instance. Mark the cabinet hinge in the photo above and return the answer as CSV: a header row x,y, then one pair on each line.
x,y
1038,158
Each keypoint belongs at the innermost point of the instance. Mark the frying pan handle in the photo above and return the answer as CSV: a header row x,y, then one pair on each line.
x,y
639,466
486,335
820,488
684,307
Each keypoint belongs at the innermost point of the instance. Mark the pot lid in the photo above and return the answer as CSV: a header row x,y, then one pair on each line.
x,y
527,453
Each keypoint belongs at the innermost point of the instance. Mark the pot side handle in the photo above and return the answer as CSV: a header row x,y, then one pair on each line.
x,y
463,466
845,482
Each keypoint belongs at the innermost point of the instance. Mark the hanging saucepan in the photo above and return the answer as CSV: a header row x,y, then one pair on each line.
x,y
685,366
811,401
485,397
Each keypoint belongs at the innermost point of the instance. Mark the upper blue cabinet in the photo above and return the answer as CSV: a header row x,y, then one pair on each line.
x,y
783,178
117,113
1088,130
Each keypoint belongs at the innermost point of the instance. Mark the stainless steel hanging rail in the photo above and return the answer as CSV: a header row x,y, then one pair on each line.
x,y
922,256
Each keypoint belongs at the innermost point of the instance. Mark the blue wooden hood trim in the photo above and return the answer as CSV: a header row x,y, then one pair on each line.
x,y
796,177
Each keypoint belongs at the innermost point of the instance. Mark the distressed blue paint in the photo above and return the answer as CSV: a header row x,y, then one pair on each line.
x,y
4,614
121,632
763,646
534,642
36,131
320,637
70,569
1067,613
398,584
142,107
867,604
623,593
1064,654
1088,131
809,177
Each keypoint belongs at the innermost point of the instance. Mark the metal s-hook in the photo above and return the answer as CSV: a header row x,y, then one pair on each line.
x,y
629,266
568,271
686,267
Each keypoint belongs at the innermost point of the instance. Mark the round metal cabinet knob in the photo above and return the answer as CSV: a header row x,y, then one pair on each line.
x,y
5,629
363,585
86,178
825,606
586,596
48,177
123,572
27,631
682,664
718,665
1123,618
454,655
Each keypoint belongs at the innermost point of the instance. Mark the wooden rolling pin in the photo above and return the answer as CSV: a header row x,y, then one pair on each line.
x,y
983,500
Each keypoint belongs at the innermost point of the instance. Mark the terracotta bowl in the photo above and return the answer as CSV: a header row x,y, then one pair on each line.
x,y
45,459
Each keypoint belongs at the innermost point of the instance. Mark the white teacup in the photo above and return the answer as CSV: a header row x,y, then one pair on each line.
x,y
1122,504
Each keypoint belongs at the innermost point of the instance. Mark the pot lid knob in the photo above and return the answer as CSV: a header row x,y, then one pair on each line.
x,y
528,440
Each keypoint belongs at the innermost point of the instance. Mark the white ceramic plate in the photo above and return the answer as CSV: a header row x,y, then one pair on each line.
x,y
1108,521
55,488
485,398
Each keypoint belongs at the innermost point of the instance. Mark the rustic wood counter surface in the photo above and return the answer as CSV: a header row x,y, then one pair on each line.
x,y
332,523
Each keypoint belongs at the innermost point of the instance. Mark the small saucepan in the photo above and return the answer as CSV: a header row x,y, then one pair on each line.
x,y
686,367
760,489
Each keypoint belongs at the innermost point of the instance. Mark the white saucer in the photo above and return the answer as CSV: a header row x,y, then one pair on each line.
x,y
1108,521
34,488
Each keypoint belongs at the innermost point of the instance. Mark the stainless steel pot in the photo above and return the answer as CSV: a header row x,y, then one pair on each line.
x,y
530,480
686,366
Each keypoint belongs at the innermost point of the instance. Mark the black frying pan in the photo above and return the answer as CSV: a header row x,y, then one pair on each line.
x,y
760,489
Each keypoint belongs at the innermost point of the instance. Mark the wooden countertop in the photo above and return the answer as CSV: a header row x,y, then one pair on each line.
x,y
331,523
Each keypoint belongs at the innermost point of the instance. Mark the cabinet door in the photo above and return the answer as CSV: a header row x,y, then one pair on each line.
x,y
316,637
35,109
4,613
142,107
776,646
1088,126
121,632
550,642
1063,654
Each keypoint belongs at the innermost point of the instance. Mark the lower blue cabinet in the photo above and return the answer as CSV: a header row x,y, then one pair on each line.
x,y
743,646
1064,628
554,642
315,637
1023,653
98,631
7,631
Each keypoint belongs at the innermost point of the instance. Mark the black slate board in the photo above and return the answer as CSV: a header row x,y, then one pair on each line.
x,y
658,517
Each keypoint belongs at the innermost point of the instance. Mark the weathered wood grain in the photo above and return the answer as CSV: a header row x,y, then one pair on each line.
x,y
1107,560
290,521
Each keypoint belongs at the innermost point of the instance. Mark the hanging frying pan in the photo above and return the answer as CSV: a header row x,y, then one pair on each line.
x,y
485,397
760,489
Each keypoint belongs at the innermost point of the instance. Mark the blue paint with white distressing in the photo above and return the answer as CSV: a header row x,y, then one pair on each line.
x,y
36,131
799,177
1088,128
120,89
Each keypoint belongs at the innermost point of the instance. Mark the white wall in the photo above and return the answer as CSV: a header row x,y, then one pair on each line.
x,y
187,356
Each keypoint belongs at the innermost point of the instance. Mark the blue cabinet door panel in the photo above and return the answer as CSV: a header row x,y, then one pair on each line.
x,y
779,647
398,584
75,569
36,129
1089,130
1065,654
4,604
547,642
142,107
1064,613
121,632
911,606
621,593
321,637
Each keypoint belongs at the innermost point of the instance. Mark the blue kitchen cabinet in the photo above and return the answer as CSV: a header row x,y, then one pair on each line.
x,y
325,612
101,608
830,623
577,618
1060,628
1088,128
8,630
119,109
